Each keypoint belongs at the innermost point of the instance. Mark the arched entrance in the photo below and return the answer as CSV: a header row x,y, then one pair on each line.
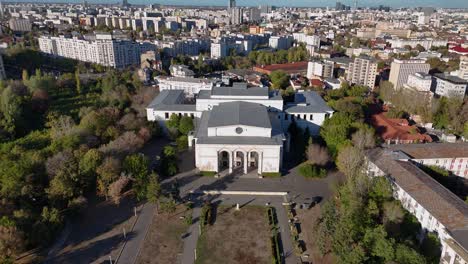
x,y
223,160
253,160
240,161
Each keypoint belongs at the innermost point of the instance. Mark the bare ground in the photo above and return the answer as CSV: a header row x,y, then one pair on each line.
x,y
236,237
163,242
308,219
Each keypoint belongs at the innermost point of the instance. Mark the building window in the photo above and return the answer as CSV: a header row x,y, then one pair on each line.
x,y
166,115
311,117
286,116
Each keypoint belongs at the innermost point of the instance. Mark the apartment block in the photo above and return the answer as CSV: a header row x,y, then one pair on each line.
x,y
102,50
319,69
401,69
363,71
449,85
419,81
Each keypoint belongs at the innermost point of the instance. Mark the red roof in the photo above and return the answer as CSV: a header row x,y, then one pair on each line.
x,y
459,49
316,82
295,67
392,129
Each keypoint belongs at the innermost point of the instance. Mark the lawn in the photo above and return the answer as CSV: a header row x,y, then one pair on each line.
x,y
163,242
67,102
236,237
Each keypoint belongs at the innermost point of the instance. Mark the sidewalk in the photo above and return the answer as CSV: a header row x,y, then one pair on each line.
x,y
190,242
132,245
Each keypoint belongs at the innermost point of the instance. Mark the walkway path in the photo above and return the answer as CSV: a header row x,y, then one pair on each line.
x,y
190,242
131,247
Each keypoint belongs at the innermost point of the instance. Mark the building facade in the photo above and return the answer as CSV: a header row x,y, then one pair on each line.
x,y
401,69
20,24
319,69
363,71
239,128
103,50
463,71
419,81
191,86
435,207
448,85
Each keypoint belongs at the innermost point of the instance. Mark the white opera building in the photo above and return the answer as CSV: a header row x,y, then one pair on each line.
x,y
241,129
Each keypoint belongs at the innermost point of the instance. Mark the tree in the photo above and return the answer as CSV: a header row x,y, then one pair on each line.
x,y
279,79
364,138
78,81
431,248
335,132
173,125
317,155
405,254
350,161
136,167
116,188
169,151
65,182
108,172
185,125
11,240
153,189
60,126
420,48
393,213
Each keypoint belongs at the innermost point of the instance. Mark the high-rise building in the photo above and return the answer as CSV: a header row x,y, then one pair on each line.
x,y
280,42
103,50
363,71
236,16
265,9
449,85
401,69
463,71
20,24
231,4
254,14
319,69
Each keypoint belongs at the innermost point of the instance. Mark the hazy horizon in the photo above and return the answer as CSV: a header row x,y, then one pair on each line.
x,y
289,3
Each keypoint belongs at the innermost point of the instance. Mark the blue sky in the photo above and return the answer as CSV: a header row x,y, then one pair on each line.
x,y
313,3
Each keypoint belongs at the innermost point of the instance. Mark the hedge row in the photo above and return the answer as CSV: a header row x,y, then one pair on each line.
x,y
275,238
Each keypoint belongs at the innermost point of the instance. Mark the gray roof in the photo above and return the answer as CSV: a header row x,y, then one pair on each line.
x,y
188,79
445,206
450,78
308,102
166,97
239,91
167,100
277,136
239,113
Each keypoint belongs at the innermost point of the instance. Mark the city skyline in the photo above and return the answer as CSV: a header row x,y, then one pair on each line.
x,y
291,3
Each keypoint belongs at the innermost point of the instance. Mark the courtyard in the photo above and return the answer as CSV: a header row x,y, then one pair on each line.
x,y
236,236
